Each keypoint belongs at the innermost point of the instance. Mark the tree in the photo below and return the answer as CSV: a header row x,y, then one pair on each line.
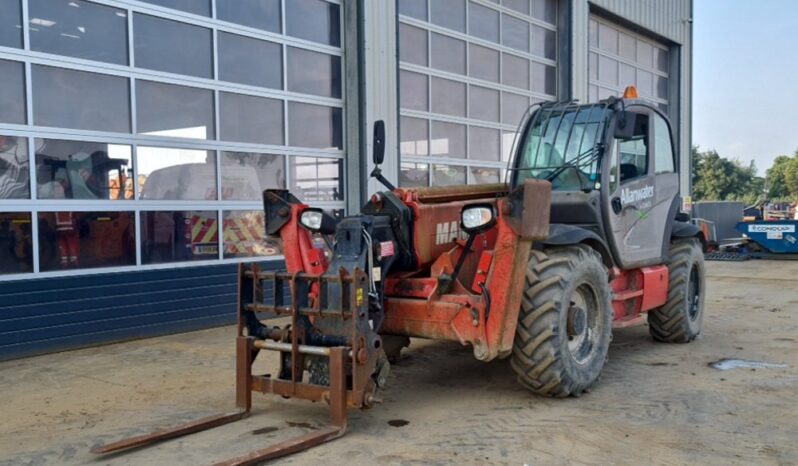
x,y
782,178
721,179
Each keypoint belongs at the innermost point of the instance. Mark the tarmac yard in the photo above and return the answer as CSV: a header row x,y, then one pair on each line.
x,y
655,403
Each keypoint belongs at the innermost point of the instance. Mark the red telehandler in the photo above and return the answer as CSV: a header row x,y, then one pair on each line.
x,y
585,236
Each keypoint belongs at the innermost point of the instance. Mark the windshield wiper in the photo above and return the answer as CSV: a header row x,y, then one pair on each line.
x,y
592,152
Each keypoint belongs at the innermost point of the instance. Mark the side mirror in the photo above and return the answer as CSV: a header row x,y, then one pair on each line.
x,y
379,142
317,221
477,218
625,125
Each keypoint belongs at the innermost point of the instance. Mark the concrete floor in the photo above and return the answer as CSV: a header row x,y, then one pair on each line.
x,y
655,403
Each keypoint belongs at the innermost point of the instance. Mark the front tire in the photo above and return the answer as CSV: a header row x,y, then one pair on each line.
x,y
565,324
680,319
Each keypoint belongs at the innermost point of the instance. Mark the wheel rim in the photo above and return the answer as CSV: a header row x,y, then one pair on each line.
x,y
582,324
694,294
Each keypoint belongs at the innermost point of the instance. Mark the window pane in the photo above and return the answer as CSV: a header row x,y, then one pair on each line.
x,y
627,47
413,175
521,6
448,54
484,103
634,152
260,14
663,148
645,83
245,235
11,24
608,70
80,100
645,53
171,110
544,78
482,175
515,33
448,175
483,22
627,75
661,58
483,143
448,97
80,240
414,8
246,118
315,126
14,168
662,87
592,31
448,140
173,47
412,45
315,73
414,136
177,236
607,38
250,61
246,174
515,71
509,141
83,170
483,63
544,42
314,179
449,14
79,29
16,243
545,10
592,66
513,107
198,7
12,92
314,20
413,93
176,174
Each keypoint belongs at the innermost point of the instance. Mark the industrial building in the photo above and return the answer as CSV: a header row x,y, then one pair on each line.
x,y
136,136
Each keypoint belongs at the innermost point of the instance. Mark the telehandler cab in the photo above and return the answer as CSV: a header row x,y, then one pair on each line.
x,y
585,236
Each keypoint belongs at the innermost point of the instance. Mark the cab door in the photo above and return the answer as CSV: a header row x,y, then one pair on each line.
x,y
639,196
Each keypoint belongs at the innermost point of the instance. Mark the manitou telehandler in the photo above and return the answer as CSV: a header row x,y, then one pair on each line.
x,y
586,235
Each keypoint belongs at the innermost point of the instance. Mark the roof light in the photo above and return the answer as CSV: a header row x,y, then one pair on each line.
x,y
631,93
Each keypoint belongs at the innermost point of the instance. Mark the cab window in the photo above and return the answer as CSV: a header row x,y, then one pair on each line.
x,y
633,152
663,149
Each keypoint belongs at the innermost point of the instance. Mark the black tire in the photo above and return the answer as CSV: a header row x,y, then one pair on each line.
x,y
547,356
680,319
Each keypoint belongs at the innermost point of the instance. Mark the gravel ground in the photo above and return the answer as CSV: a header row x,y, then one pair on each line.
x,y
655,403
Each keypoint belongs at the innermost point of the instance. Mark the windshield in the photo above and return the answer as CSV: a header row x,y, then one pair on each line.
x,y
562,146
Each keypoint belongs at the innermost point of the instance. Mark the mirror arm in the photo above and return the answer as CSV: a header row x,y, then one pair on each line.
x,y
377,173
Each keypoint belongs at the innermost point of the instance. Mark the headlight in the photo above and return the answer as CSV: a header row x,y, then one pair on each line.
x,y
317,221
477,218
311,219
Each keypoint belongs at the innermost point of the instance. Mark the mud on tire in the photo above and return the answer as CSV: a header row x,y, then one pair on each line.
x,y
680,319
546,357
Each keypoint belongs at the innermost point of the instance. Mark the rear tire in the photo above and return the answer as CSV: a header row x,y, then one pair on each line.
x,y
680,319
559,350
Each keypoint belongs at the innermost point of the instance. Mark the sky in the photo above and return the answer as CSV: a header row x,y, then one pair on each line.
x,y
745,78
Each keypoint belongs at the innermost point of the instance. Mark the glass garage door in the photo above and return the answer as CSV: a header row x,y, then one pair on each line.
x,y
620,57
468,70
142,133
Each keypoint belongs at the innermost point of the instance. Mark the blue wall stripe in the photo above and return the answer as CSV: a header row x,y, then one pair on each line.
x,y
54,314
